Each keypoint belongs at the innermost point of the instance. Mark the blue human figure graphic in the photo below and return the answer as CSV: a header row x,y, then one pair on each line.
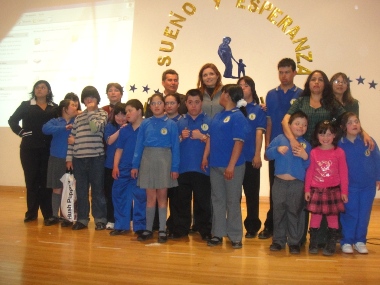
x,y
225,54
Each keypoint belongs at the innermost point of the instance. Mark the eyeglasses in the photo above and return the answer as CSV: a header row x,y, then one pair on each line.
x,y
158,103
337,82
171,103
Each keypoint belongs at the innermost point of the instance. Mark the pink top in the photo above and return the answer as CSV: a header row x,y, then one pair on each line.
x,y
327,168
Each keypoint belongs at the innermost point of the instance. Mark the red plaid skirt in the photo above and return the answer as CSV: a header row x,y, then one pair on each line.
x,y
325,201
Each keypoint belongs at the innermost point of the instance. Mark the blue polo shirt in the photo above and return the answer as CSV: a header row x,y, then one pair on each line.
x,y
157,132
278,104
226,127
257,120
363,164
109,130
127,142
288,163
57,128
191,150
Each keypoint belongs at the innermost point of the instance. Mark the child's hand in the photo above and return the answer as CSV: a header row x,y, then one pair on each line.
x,y
69,165
70,139
174,175
300,152
185,133
307,196
282,149
69,127
204,164
256,162
377,185
344,198
115,173
134,173
92,106
196,134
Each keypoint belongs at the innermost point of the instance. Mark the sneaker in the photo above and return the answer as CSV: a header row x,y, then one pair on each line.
x,y
110,226
100,226
361,247
347,248
294,249
66,223
265,233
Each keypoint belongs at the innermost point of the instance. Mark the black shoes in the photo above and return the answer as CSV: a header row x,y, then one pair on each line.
x,y
99,226
162,237
66,223
294,249
78,226
175,235
275,247
118,232
250,234
206,237
236,244
214,241
145,235
51,221
30,219
265,233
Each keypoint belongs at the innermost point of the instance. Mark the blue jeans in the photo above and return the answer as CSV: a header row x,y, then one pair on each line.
x,y
89,171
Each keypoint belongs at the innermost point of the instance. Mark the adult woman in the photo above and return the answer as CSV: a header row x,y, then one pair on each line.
x,y
228,130
257,120
342,92
34,148
210,84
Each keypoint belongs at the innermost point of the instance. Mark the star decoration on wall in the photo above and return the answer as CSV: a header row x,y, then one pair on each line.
x,y
360,80
157,91
372,84
133,88
146,88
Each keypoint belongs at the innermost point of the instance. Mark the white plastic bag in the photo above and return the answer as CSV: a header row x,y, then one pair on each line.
x,y
69,198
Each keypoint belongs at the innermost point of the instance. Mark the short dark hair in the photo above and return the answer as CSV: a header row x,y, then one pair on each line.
x,y
298,114
248,80
287,62
64,104
89,91
135,103
169,71
193,93
73,97
119,108
176,96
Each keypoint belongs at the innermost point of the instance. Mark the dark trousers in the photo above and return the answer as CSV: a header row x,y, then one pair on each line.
x,y
197,185
108,183
34,163
269,221
251,186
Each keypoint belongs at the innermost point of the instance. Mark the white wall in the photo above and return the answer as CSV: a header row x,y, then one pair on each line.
x,y
340,34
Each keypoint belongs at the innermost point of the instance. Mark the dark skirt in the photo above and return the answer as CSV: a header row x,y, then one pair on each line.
x,y
155,169
325,201
56,169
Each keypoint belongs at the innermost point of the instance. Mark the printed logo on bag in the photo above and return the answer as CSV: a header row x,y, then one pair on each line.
x,y
164,131
252,116
227,119
204,127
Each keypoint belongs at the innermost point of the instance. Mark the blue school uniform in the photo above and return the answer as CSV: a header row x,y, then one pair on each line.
x,y
363,172
125,193
57,128
191,151
226,127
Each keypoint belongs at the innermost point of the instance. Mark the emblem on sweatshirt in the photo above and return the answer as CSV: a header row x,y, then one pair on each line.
x,y
252,116
164,131
204,127
227,119
367,152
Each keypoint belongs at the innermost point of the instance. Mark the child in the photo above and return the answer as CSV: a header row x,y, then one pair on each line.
x,y
326,185
124,189
288,198
86,158
114,93
111,134
364,176
60,129
156,163
228,130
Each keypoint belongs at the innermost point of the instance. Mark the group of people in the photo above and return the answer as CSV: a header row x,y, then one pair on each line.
x,y
205,146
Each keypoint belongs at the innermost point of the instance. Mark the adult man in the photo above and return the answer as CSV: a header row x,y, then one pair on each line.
x,y
193,129
278,102
170,82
